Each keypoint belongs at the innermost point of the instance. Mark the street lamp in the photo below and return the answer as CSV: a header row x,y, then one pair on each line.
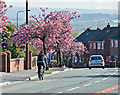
x,y
27,49
17,16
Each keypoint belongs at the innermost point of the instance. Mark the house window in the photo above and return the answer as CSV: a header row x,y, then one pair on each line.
x,y
53,58
112,43
94,45
98,45
116,43
116,58
102,44
91,45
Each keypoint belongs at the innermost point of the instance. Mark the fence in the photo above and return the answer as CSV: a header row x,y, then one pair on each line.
x,y
16,64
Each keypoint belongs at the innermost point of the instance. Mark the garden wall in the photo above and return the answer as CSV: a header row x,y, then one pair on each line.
x,y
16,64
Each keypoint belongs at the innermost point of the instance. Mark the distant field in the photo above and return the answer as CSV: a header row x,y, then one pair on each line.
x,y
89,18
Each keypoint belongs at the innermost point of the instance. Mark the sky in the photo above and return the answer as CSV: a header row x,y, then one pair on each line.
x,y
87,4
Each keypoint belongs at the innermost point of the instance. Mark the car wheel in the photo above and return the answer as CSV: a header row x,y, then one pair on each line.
x,y
103,67
89,67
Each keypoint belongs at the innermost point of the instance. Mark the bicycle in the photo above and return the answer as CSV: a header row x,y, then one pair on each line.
x,y
41,72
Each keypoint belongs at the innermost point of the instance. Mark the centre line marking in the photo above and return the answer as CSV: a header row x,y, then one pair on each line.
x,y
97,81
73,88
88,84
60,92
105,78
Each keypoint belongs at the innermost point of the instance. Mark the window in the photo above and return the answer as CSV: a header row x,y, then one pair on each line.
x,y
102,44
111,43
98,45
116,57
91,45
87,34
53,58
107,31
116,43
94,45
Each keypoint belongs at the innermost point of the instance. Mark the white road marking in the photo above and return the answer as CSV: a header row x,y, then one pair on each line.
x,y
73,88
88,84
97,81
105,78
59,92
114,73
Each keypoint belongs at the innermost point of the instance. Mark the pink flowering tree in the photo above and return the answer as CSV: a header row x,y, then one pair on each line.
x,y
3,21
50,31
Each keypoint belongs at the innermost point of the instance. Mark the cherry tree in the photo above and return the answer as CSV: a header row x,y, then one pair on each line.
x,y
3,21
50,31
46,28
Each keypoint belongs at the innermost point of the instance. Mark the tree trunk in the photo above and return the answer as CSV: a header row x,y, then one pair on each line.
x,y
44,49
57,58
71,61
60,58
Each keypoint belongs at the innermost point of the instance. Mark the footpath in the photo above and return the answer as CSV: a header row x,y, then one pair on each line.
x,y
19,76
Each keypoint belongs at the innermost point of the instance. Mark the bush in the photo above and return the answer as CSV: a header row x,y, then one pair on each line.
x,y
69,61
14,52
53,61
34,50
21,54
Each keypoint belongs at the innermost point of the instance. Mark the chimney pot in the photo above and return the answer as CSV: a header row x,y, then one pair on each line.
x,y
108,26
88,28
118,24
98,28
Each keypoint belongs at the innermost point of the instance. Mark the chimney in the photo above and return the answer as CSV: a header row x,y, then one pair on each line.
x,y
108,26
118,24
98,28
88,28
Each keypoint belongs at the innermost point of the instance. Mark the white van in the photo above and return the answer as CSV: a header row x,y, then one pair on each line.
x,y
96,61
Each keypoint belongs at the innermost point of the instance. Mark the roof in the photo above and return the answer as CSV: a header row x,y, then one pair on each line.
x,y
85,36
115,36
105,34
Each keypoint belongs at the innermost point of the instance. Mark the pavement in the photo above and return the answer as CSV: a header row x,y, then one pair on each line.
x,y
20,76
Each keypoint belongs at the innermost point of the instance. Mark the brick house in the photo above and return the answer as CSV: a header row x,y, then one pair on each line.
x,y
104,42
84,38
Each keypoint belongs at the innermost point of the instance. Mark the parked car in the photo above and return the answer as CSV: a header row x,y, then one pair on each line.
x,y
96,61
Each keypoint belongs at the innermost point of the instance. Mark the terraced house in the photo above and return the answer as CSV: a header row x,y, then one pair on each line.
x,y
102,42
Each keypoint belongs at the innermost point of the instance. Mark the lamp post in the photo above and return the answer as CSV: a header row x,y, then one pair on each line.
x,y
17,16
27,49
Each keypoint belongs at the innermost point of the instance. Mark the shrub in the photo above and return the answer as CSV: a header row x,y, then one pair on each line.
x,y
54,61
34,50
21,54
69,61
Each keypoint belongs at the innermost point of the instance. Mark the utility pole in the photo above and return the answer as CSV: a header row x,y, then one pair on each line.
x,y
27,51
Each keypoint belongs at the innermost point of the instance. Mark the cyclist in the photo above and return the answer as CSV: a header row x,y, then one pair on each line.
x,y
41,63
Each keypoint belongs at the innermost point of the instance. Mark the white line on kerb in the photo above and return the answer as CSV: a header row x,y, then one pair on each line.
x,y
88,84
73,88
60,92
105,78
97,81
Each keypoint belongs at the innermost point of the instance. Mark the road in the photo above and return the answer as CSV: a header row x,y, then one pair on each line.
x,y
96,80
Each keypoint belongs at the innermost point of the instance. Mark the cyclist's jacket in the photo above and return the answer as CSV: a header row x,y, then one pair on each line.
x,y
42,60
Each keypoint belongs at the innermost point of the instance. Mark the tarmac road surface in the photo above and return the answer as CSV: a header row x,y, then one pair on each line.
x,y
96,80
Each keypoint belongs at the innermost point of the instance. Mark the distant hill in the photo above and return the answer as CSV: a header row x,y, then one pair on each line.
x,y
89,18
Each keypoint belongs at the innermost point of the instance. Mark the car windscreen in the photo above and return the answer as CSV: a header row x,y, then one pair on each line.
x,y
96,58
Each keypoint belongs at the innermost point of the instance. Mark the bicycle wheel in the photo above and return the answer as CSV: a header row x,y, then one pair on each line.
x,y
41,74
